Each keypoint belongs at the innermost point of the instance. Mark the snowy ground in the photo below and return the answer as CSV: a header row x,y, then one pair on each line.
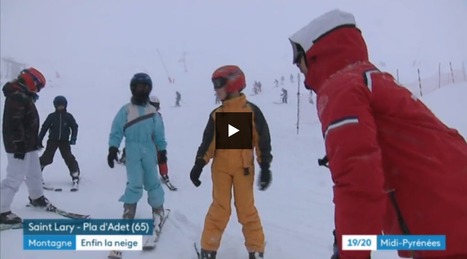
x,y
297,210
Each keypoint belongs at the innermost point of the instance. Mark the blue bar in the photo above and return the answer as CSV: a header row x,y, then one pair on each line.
x,y
49,242
87,227
411,242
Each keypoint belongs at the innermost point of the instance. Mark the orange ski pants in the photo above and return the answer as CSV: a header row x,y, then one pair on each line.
x,y
219,212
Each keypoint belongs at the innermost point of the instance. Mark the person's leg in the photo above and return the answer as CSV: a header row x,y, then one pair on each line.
x,y
247,212
15,173
33,175
134,171
152,183
70,160
219,212
48,156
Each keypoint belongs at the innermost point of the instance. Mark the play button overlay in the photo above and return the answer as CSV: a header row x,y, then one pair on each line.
x,y
234,130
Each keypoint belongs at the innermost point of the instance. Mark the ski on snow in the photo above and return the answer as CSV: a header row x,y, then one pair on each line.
x,y
50,188
71,215
51,209
149,243
11,226
74,188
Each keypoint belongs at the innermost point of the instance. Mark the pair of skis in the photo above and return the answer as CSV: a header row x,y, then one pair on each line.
x,y
149,243
74,187
51,208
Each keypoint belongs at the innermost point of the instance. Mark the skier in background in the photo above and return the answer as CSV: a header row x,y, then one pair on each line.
x,y
255,88
284,96
397,169
178,98
60,124
233,169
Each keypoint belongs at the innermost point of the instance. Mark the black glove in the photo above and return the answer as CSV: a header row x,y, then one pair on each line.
x,y
40,146
73,141
113,151
264,177
196,171
20,151
323,161
162,157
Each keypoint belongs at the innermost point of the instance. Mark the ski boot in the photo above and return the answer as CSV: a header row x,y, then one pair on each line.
x,y
256,255
129,210
75,177
204,254
42,202
157,217
115,254
9,218
75,181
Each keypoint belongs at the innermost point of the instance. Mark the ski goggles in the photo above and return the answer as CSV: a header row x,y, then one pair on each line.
x,y
298,58
219,82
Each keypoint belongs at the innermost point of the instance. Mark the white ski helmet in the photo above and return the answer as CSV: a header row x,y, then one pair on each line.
x,y
153,100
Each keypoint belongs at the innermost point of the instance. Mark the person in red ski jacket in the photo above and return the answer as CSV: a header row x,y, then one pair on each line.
x,y
396,168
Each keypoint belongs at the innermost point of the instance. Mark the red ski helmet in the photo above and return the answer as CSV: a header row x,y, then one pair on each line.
x,y
32,79
230,76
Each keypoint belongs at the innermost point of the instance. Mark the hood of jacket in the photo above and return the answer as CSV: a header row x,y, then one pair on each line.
x,y
11,88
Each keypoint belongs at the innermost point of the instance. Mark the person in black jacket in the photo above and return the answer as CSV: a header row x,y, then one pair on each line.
x,y
59,124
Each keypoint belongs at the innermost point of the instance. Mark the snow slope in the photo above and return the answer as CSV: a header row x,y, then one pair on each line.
x,y
97,46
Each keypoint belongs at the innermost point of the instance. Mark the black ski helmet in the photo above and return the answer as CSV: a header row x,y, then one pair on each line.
x,y
60,100
140,78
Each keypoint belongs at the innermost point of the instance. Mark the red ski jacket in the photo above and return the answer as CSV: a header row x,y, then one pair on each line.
x,y
396,167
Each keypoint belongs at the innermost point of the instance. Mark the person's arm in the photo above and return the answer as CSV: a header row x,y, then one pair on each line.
x,y
74,129
355,162
45,127
205,151
262,147
263,143
116,131
207,147
14,115
159,141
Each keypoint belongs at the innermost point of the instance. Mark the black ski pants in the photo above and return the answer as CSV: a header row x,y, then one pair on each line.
x,y
65,150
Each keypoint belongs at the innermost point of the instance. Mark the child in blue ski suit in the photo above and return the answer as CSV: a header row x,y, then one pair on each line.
x,y
140,124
